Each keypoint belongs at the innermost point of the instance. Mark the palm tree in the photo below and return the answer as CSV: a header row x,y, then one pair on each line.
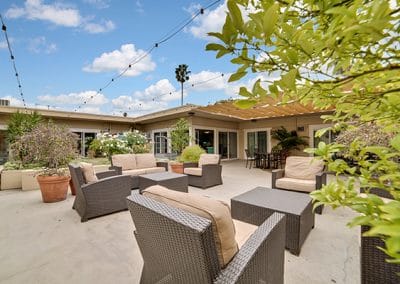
x,y
182,75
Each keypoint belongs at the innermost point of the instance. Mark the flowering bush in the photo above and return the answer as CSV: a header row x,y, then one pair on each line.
x,y
47,145
128,142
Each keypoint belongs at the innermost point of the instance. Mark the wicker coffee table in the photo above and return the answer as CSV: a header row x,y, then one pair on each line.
x,y
178,182
256,205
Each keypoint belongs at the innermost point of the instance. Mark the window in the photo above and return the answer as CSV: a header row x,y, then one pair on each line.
x,y
160,142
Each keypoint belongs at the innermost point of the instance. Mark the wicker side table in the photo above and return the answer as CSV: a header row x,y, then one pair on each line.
x,y
174,181
256,205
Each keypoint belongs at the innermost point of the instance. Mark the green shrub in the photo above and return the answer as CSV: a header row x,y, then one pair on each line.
x,y
191,153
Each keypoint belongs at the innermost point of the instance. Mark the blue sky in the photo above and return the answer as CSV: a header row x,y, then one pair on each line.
x,y
65,51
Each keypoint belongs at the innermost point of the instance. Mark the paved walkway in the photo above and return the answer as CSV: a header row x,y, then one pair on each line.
x,y
47,243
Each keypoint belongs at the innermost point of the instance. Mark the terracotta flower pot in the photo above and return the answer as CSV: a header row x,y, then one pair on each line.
x,y
53,188
177,168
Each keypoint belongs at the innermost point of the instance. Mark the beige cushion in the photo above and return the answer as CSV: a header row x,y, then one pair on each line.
x,y
88,172
126,161
145,161
154,170
134,172
193,171
305,185
303,167
217,211
243,231
208,159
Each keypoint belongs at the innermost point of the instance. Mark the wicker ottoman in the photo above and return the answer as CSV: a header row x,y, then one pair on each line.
x,y
256,205
178,182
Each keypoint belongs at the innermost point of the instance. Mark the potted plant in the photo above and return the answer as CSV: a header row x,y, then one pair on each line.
x,y
51,147
179,140
287,140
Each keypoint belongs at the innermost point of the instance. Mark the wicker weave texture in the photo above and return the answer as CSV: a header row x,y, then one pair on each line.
x,y
99,198
178,247
298,226
374,267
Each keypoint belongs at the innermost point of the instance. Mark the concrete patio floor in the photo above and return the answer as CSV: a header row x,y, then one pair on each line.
x,y
47,243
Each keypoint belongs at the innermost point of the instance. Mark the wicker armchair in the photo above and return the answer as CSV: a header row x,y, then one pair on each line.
x,y
206,173
105,196
178,247
301,174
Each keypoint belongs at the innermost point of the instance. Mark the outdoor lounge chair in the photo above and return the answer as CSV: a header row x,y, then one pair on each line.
x,y
206,173
97,198
179,247
303,174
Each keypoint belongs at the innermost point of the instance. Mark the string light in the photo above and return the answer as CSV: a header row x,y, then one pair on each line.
x,y
172,33
4,29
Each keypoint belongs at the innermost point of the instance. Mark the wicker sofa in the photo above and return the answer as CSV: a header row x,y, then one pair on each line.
x,y
135,165
206,173
96,198
303,174
179,246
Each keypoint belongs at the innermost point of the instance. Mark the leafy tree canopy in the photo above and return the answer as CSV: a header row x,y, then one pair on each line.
x,y
342,54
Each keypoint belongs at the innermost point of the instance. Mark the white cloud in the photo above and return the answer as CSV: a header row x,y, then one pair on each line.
x,y
40,44
151,99
90,97
100,4
3,44
95,28
210,21
207,81
130,104
58,14
118,60
55,13
163,90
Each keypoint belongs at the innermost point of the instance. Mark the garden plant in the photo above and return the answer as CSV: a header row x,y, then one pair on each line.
x,y
338,55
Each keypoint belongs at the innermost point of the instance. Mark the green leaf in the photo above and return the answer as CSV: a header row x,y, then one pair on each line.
x,y
289,79
236,15
240,73
270,19
395,142
245,103
244,92
215,46
222,53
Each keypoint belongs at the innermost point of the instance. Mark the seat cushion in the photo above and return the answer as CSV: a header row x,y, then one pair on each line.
x,y
305,185
154,170
216,211
88,172
126,161
207,159
303,167
134,172
193,171
243,231
145,161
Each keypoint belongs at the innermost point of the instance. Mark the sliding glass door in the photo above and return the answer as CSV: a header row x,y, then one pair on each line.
x,y
227,144
257,141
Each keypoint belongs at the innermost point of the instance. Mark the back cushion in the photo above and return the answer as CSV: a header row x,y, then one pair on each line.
x,y
303,167
207,159
216,211
88,172
145,161
126,161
